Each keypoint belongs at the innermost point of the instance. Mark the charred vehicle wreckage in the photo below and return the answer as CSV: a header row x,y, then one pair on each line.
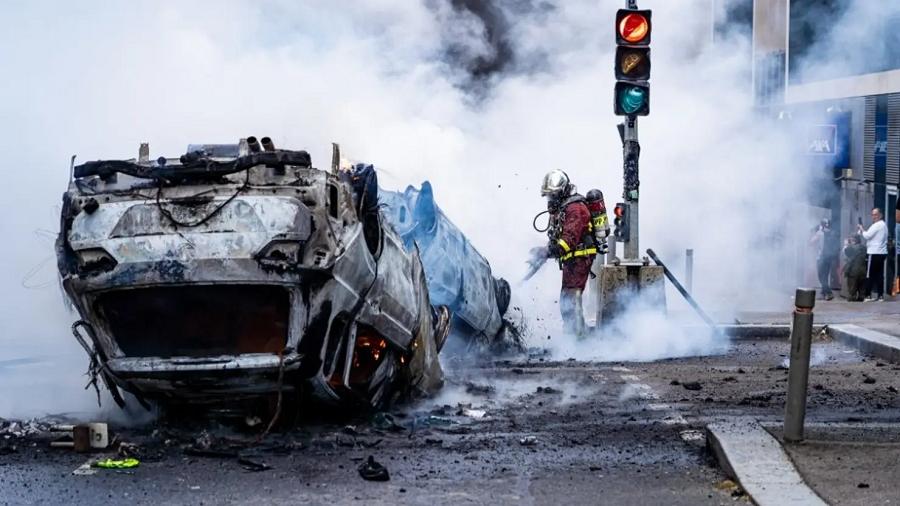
x,y
239,271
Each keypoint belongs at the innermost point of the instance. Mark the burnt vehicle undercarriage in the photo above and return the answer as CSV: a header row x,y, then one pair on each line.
x,y
241,271
211,276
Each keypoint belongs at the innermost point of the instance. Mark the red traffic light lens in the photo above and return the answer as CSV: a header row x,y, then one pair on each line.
x,y
633,28
619,211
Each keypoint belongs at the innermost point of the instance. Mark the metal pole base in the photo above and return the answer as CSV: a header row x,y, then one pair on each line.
x,y
617,285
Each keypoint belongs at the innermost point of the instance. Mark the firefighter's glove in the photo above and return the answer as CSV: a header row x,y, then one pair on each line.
x,y
554,249
604,248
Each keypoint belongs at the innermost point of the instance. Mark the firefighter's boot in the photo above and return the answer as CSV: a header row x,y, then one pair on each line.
x,y
572,312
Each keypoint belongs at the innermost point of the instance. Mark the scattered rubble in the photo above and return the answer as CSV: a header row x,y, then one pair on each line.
x,y
477,389
252,465
371,470
26,428
386,421
345,440
528,441
466,410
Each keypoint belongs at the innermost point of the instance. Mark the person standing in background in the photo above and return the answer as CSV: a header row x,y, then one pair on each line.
x,y
826,241
876,248
855,269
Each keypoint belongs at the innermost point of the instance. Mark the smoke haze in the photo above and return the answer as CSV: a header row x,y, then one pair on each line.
x,y
480,98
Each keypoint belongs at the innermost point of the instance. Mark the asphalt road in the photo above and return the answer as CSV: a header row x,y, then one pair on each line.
x,y
603,433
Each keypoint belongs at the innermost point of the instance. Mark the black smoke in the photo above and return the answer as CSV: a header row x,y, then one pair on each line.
x,y
480,67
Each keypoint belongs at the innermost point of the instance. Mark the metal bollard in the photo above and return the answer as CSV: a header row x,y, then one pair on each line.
x,y
798,376
689,270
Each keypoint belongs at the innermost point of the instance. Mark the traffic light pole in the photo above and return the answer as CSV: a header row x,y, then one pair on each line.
x,y
621,279
631,152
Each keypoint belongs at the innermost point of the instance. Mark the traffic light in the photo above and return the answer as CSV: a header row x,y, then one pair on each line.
x,y
621,222
632,65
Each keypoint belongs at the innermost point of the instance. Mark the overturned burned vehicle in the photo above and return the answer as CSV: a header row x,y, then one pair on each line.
x,y
458,276
240,271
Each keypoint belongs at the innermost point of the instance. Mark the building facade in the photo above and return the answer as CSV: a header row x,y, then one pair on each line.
x,y
832,67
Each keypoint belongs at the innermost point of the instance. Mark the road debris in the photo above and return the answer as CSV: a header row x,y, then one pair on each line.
x,y
386,421
252,465
726,486
474,413
85,469
732,488
466,410
128,450
692,385
21,429
344,440
371,470
116,463
477,389
528,441
83,437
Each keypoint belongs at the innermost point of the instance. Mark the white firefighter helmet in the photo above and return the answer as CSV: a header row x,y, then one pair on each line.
x,y
556,183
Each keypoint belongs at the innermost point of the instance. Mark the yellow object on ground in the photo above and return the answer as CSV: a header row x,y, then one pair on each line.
x,y
117,464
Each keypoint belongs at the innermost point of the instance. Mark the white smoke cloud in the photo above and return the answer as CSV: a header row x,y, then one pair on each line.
x,y
97,79
641,333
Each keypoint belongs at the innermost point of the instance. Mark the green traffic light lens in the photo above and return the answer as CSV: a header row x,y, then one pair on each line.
x,y
632,99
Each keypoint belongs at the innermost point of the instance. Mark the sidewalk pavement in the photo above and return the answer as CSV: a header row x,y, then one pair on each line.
x,y
880,316
849,464
840,463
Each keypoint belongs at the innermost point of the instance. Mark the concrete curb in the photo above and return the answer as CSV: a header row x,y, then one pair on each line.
x,y
752,457
747,330
752,331
870,342
755,331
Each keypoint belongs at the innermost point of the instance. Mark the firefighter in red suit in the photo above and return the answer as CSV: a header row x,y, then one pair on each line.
x,y
572,243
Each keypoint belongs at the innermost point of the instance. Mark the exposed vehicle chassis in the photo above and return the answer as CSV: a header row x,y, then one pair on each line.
x,y
234,272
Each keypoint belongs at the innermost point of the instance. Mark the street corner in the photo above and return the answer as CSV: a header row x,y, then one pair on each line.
x,y
848,463
755,459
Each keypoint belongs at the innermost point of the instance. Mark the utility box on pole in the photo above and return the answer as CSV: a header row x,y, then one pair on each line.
x,y
622,279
